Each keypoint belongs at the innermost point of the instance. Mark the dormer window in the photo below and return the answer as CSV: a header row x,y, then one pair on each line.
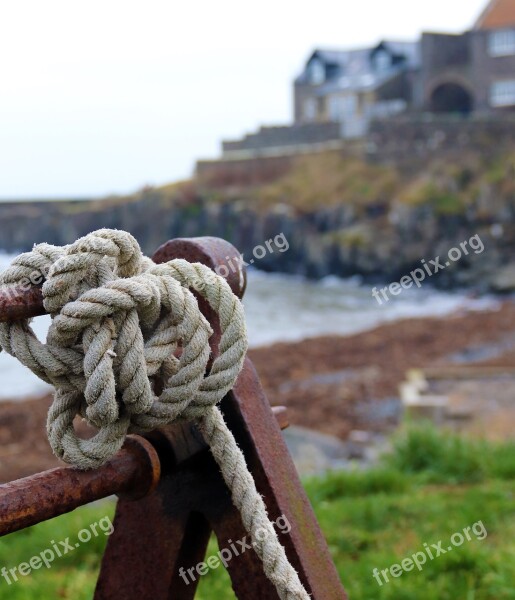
x,y
382,61
316,72
502,43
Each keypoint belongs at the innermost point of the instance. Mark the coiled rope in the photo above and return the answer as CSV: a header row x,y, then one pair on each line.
x,y
117,319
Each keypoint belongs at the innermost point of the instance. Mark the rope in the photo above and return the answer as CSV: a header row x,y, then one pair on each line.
x,y
117,320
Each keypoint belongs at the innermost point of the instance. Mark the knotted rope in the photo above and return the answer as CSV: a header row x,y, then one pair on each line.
x,y
117,320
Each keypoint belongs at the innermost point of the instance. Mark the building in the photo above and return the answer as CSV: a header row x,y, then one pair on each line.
x,y
441,73
472,72
340,93
357,86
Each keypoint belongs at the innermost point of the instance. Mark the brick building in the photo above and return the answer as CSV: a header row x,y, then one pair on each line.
x,y
472,72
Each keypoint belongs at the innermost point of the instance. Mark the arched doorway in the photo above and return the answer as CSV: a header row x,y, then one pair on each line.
x,y
451,98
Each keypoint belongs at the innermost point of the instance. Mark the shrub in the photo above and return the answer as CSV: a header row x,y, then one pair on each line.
x,y
442,457
500,459
341,484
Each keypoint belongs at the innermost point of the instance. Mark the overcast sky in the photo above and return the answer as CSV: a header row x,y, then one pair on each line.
x,y
106,96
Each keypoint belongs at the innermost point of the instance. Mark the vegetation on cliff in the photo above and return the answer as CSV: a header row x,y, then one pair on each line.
x,y
341,215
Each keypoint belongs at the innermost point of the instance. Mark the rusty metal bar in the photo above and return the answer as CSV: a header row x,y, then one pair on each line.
x,y
247,413
20,302
134,472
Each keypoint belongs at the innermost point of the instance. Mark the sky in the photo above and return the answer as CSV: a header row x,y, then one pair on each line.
x,y
105,97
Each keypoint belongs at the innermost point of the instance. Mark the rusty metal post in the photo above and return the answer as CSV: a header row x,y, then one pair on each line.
x,y
160,539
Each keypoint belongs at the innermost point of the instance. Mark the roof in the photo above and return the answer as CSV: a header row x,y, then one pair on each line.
x,y
354,68
411,50
498,14
343,57
344,60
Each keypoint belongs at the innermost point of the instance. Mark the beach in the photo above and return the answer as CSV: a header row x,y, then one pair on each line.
x,y
333,384
285,308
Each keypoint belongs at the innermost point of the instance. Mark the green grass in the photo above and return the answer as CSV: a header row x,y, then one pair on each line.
x,y
431,486
71,576
440,458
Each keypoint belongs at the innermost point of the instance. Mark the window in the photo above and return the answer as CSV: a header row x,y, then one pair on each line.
x,y
502,43
382,61
316,72
341,107
502,93
335,108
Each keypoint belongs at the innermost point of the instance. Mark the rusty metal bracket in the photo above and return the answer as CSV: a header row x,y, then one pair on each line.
x,y
171,494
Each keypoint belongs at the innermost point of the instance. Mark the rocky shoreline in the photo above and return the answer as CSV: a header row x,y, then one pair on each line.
x,y
330,384
381,240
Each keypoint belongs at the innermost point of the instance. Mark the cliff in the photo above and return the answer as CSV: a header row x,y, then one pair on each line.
x,y
339,214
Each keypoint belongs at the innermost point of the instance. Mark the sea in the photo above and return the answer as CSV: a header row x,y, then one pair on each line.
x,y
288,308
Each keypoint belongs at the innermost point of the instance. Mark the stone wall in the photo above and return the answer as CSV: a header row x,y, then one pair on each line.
x,y
272,139
407,141
243,171
410,141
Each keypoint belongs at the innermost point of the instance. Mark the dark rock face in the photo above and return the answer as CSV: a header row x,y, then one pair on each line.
x,y
383,245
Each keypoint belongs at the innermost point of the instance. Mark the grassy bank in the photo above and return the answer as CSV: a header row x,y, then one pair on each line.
x,y
432,487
